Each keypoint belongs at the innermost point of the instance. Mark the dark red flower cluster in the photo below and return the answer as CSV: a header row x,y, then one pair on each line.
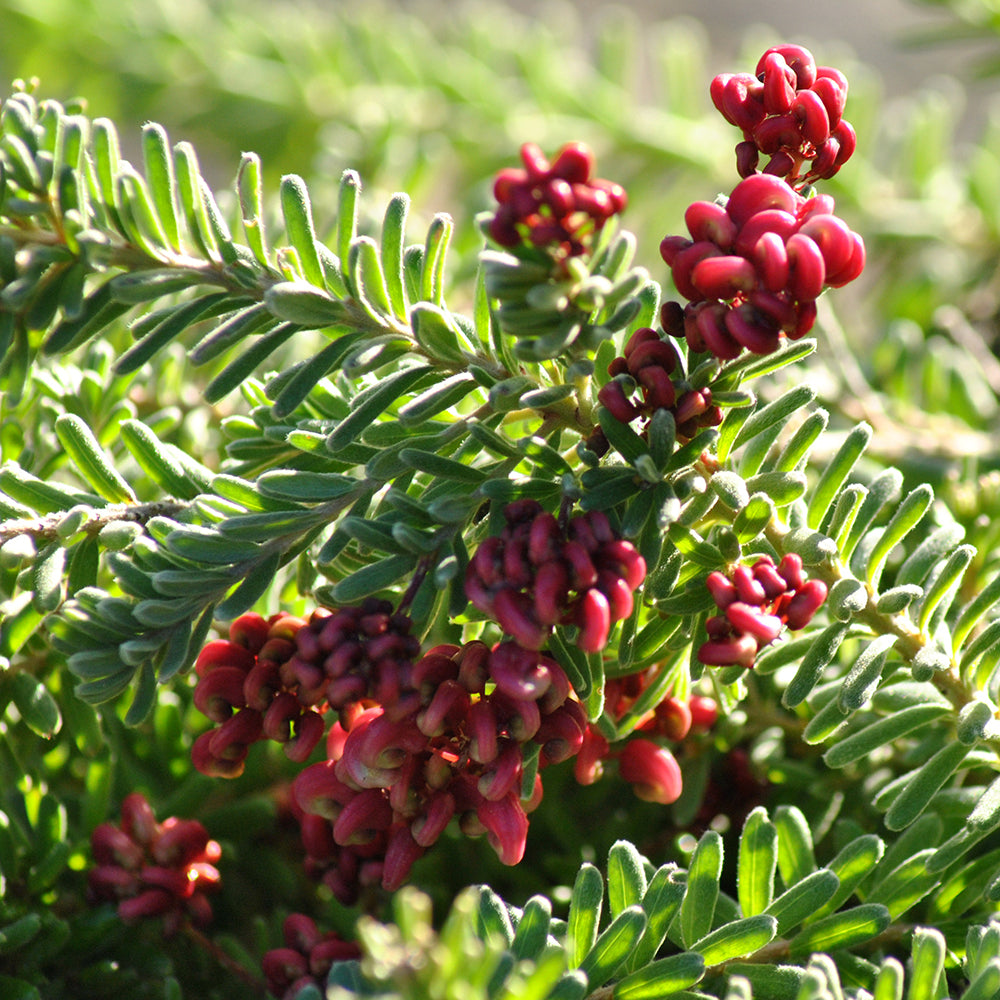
x,y
390,785
306,958
535,575
154,869
754,267
757,602
556,206
273,678
649,766
649,363
792,111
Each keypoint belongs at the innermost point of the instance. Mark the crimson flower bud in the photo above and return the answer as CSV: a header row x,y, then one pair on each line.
x,y
652,770
506,827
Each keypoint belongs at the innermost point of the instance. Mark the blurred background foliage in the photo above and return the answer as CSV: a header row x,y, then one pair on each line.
x,y
433,99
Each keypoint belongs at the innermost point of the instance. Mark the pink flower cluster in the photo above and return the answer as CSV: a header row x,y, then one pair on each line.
x,y
648,363
154,869
556,206
757,602
535,575
306,957
390,785
792,111
274,678
754,267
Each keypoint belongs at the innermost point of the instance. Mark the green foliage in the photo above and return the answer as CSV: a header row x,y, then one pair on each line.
x,y
288,392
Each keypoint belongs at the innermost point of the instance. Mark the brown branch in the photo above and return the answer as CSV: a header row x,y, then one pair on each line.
x,y
46,529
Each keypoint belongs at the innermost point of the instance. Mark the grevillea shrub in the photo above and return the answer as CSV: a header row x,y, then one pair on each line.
x,y
527,624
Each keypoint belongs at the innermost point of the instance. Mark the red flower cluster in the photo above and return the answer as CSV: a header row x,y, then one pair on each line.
x,y
535,575
154,869
753,268
649,362
648,765
273,678
757,603
306,958
557,206
790,111
391,785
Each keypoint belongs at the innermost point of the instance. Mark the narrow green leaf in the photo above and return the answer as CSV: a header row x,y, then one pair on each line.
x,y
814,662
145,695
574,662
297,213
795,846
98,311
492,917
436,331
774,413
442,468
230,332
943,588
105,154
626,877
906,884
975,610
889,981
928,553
661,978
171,323
366,274
702,891
367,406
435,249
883,491
251,193
730,489
437,399
159,165
753,518
736,939
156,460
374,577
753,366
758,860
136,208
253,587
532,929
781,488
207,545
144,285
983,820
841,930
393,242
836,472
923,784
304,304
191,195
584,916
927,964
864,676
802,900
47,578
863,742
307,487
347,217
614,945
906,517
898,599
38,709
986,985
91,460
661,902
796,451
242,367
